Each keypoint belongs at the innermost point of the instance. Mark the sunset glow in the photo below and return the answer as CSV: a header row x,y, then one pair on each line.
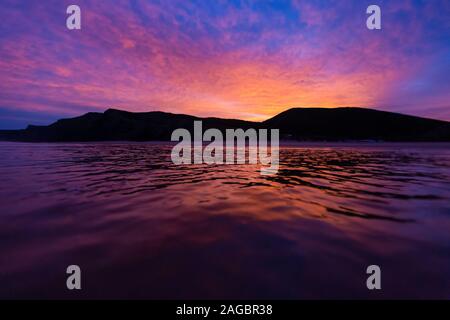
x,y
233,59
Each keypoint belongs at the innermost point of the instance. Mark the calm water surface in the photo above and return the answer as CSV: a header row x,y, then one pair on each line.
x,y
140,227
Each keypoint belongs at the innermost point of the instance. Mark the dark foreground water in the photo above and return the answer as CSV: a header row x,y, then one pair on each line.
x,y
140,227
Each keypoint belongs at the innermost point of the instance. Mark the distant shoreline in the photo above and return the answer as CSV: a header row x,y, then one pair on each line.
x,y
283,144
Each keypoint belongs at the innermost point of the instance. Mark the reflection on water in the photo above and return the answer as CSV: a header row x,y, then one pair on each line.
x,y
140,227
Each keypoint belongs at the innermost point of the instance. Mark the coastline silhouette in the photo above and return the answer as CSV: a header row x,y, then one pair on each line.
x,y
303,124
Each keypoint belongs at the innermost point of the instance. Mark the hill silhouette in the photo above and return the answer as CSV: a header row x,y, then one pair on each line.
x,y
312,124
357,124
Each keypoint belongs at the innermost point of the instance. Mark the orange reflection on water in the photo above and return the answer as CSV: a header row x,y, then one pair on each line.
x,y
142,227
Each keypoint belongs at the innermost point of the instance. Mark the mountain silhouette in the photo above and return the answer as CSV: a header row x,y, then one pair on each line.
x,y
312,124
357,124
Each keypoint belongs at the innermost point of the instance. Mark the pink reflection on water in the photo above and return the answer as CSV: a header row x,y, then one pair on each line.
x,y
141,227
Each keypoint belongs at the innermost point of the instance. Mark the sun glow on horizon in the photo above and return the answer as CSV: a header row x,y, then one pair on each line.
x,y
229,60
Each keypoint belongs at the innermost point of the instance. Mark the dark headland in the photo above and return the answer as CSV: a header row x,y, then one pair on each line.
x,y
304,124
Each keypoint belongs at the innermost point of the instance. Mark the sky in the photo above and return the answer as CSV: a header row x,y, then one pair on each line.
x,y
233,59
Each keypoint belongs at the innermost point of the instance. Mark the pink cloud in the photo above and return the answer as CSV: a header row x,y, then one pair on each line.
x,y
242,63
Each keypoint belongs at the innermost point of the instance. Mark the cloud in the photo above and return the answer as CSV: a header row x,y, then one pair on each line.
x,y
240,59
